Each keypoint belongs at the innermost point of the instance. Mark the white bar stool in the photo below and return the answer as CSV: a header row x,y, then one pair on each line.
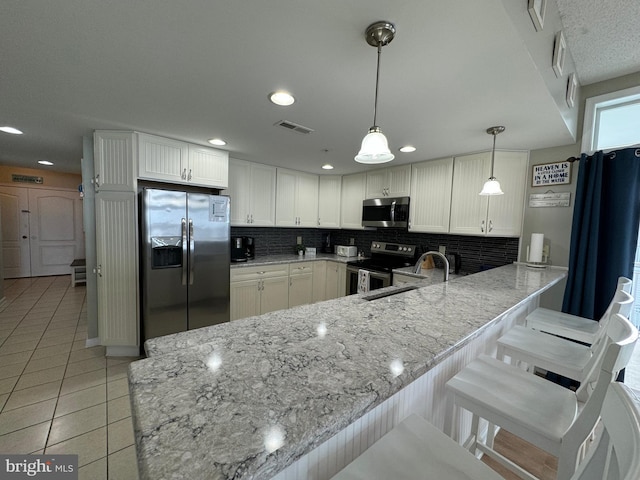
x,y
558,355
415,449
574,327
540,412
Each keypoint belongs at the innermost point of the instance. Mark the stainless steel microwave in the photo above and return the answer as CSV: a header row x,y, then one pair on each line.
x,y
386,212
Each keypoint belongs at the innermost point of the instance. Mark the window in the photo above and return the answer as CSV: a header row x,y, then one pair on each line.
x,y
612,121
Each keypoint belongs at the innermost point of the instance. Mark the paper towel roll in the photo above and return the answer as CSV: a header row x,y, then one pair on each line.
x,y
535,247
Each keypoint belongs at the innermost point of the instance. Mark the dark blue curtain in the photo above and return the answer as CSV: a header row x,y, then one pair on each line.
x,y
605,230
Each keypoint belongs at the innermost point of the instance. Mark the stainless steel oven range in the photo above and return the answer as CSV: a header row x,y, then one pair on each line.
x,y
385,256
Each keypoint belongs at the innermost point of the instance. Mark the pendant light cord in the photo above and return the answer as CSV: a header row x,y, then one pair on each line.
x,y
375,103
493,153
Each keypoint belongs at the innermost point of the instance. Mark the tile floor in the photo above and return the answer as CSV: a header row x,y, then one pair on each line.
x,y
56,396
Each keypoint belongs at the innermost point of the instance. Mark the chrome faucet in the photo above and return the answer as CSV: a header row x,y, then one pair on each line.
x,y
418,266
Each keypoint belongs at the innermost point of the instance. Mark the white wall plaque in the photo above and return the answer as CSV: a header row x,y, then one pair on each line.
x,y
550,199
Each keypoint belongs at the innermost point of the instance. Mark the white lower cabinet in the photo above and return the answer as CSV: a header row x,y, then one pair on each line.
x,y
336,281
301,283
262,289
320,280
257,290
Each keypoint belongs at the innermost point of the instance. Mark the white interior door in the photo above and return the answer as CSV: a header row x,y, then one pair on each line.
x,y
56,231
14,218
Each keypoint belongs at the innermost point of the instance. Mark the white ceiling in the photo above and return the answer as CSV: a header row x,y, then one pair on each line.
x,y
196,69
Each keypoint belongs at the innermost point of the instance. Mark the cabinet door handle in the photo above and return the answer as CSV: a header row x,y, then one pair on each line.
x,y
248,218
482,226
96,181
98,270
189,177
252,218
261,273
184,174
490,225
290,282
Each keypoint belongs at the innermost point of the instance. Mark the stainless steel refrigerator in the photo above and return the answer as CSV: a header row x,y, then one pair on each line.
x,y
185,254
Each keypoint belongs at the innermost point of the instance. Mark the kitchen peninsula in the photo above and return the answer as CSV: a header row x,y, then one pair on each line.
x,y
299,393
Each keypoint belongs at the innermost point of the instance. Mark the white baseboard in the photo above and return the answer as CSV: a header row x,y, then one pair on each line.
x,y
92,342
123,352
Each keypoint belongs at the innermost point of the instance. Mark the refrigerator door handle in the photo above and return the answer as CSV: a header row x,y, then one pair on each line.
x,y
184,251
191,251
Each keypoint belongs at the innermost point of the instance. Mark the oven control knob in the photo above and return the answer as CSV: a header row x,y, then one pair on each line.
x,y
409,249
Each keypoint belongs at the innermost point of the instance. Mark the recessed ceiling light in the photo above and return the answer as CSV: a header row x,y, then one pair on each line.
x,y
11,130
217,141
45,162
281,98
408,149
327,166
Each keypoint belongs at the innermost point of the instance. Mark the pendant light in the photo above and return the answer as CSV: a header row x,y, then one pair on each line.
x,y
492,186
374,148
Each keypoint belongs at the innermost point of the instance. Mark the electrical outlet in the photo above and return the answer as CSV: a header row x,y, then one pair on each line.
x,y
352,241
442,249
299,240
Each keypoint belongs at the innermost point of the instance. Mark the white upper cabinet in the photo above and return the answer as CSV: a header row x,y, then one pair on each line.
x,y
114,161
208,167
329,191
505,214
173,161
252,189
498,216
431,196
162,158
353,193
389,182
296,199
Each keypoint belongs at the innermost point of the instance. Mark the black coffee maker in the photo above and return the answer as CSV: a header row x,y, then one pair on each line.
x,y
327,245
238,251
249,245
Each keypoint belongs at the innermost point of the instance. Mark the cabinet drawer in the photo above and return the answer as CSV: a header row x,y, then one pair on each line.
x,y
263,271
300,268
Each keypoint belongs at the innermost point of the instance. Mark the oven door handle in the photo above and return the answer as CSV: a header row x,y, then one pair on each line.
x,y
393,212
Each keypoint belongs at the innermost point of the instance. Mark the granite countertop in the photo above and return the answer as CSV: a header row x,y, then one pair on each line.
x,y
247,398
291,258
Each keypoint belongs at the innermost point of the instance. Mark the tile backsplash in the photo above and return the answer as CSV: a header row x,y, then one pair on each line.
x,y
477,253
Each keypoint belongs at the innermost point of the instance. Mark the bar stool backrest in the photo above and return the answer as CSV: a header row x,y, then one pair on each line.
x,y
614,456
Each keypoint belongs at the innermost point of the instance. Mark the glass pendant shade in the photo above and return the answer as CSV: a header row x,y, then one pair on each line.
x,y
491,187
374,148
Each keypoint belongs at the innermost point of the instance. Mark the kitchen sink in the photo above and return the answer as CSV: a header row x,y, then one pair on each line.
x,y
389,293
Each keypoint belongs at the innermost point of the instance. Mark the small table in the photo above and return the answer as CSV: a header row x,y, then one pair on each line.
x,y
78,271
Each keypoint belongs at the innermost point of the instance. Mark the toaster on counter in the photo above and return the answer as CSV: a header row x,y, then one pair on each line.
x,y
346,250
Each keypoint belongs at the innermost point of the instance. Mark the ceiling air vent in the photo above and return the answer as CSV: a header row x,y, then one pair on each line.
x,y
294,126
